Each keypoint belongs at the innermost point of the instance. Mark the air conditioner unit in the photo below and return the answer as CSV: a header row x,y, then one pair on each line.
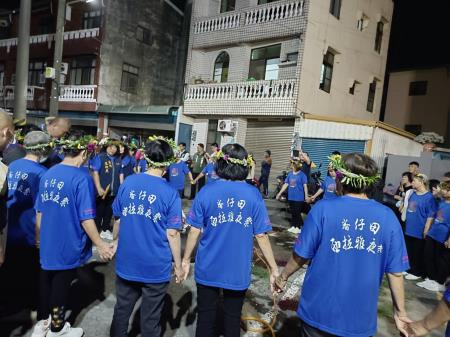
x,y
64,68
4,23
225,125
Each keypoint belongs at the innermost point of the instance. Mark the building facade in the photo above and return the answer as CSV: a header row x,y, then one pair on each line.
x,y
287,74
418,101
123,64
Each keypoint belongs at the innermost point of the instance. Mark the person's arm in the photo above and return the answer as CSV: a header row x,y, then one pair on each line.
x,y
319,192
396,286
38,229
194,234
121,178
191,179
266,248
283,188
305,189
106,251
200,176
173,236
427,226
294,264
3,236
439,316
98,186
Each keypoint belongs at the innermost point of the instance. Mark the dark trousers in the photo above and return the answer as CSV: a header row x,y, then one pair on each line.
x,y
437,260
309,331
297,208
200,184
54,294
207,300
264,181
19,279
415,248
128,293
104,213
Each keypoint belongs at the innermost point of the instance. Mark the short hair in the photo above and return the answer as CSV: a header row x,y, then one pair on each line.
x,y
335,153
215,144
27,128
409,175
422,177
296,164
433,183
447,174
269,152
201,145
445,185
34,138
158,151
359,164
73,136
414,163
226,169
182,143
56,120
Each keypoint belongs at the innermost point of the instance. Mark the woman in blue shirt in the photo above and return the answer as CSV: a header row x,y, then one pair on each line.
x,y
149,215
351,242
128,161
226,215
65,209
327,187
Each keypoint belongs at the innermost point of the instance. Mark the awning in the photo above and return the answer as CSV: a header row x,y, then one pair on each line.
x,y
139,109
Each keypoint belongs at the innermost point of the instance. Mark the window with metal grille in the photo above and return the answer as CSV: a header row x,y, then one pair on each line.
x,y
371,96
335,8
379,36
418,88
130,78
35,70
326,72
143,35
221,67
264,63
227,6
82,70
92,19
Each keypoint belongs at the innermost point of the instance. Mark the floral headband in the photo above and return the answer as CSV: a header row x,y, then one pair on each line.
x,y
248,162
170,161
43,146
108,142
84,143
350,178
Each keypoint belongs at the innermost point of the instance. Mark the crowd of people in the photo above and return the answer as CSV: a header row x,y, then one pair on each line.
x,y
64,191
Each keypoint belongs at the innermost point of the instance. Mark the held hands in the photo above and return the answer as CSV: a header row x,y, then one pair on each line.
x,y
403,323
272,279
186,266
101,191
447,243
280,283
179,274
106,251
415,329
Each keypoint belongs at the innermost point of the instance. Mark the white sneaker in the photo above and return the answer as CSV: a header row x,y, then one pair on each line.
x,y
67,331
102,235
41,328
434,286
411,277
108,236
291,229
297,230
423,284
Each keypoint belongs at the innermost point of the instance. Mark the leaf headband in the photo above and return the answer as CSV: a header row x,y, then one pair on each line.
x,y
248,162
108,142
170,161
350,178
84,143
43,146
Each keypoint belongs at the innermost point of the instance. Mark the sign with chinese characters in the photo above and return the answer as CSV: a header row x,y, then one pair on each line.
x,y
18,181
53,193
141,204
230,211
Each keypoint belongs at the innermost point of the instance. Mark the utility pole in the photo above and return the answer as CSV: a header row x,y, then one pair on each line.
x,y
57,57
22,61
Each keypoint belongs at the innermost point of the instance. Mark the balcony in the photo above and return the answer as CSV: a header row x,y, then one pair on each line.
x,y
7,92
272,20
49,38
78,93
252,98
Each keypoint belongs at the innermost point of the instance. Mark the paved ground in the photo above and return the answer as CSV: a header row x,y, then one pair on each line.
x,y
93,298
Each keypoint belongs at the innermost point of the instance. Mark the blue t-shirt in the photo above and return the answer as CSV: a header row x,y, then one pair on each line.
x,y
147,207
23,186
329,188
128,165
176,174
420,208
296,190
210,172
351,243
229,213
143,165
440,229
66,198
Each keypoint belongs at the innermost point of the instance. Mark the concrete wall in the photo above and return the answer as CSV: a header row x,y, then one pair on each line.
x,y
356,58
158,63
430,110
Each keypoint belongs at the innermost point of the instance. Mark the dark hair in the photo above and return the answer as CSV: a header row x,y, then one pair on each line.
x,y
228,170
414,163
268,152
335,153
73,136
126,151
201,145
158,151
447,174
27,128
182,143
362,164
215,144
433,183
409,175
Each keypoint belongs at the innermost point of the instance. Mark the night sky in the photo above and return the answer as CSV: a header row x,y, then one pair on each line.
x,y
420,35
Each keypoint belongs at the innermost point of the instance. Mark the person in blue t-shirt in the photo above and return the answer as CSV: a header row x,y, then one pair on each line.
x,y
296,184
21,267
175,175
439,316
420,214
327,187
226,215
437,254
149,215
128,161
65,224
351,242
209,171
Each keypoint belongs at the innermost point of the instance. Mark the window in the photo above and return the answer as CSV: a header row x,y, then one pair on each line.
x,y
82,70
227,5
143,35
351,90
35,71
264,63
379,36
92,19
415,129
371,96
292,57
418,88
130,76
46,25
326,72
362,23
221,67
335,8
213,135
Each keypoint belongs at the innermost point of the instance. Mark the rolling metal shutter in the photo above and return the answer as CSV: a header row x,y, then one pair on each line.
x,y
319,149
275,136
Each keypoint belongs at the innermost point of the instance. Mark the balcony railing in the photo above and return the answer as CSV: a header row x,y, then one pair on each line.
x,y
77,93
7,92
260,14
